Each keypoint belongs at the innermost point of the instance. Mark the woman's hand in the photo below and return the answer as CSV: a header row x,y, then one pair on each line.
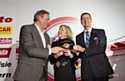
x,y
67,52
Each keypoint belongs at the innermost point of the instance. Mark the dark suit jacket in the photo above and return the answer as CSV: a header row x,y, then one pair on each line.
x,y
94,57
33,57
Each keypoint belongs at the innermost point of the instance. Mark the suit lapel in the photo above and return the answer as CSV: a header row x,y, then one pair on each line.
x,y
93,34
82,39
47,39
36,32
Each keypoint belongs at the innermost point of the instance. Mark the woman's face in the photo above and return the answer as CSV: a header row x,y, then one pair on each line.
x,y
62,33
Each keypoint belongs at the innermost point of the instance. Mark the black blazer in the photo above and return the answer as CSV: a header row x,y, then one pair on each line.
x,y
94,57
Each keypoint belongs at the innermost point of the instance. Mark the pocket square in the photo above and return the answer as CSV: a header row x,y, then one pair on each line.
x,y
95,38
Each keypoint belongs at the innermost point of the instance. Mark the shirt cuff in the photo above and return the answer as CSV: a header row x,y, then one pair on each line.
x,y
49,49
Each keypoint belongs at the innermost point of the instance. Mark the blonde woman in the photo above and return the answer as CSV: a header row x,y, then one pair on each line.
x,y
63,61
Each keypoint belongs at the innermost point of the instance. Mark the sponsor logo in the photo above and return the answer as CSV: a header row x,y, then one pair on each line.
x,y
5,52
5,30
5,64
5,40
7,20
5,75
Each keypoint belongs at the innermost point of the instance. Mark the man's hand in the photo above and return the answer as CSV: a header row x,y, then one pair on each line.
x,y
56,50
78,48
58,54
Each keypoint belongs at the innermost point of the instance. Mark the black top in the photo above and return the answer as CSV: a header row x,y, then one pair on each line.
x,y
65,73
61,43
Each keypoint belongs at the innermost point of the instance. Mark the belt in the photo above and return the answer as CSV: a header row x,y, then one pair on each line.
x,y
59,64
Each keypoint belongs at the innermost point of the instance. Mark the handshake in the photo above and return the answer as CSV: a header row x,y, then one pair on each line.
x,y
76,48
59,51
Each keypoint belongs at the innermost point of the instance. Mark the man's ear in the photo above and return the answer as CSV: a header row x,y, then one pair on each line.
x,y
40,18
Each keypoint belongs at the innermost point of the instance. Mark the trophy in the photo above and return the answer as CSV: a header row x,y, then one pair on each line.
x,y
66,45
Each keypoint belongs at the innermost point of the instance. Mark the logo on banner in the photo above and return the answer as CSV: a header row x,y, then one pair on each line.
x,y
7,20
5,30
5,40
5,52
5,75
5,64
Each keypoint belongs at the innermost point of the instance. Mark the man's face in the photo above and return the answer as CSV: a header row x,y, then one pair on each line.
x,y
44,21
86,21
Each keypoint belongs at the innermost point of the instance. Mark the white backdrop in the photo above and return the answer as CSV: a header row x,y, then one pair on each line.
x,y
106,14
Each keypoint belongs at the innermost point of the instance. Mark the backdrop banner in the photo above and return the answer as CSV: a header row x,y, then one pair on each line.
x,y
108,15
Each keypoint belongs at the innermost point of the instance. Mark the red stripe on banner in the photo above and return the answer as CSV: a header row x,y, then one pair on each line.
x,y
62,20
50,77
116,46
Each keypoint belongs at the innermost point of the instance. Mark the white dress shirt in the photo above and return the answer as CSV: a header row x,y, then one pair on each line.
x,y
89,32
43,38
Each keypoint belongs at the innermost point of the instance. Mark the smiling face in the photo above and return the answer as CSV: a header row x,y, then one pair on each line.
x,y
86,21
62,32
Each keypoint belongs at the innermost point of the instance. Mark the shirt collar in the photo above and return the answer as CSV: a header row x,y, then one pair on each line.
x,y
39,29
90,29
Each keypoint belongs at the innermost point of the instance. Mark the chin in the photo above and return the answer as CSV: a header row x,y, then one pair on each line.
x,y
59,36
45,27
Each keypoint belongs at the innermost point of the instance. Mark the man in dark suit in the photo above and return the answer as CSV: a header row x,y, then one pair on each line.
x,y
91,44
34,50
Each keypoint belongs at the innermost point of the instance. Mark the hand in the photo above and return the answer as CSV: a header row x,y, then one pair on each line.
x,y
74,51
58,54
67,52
56,50
78,48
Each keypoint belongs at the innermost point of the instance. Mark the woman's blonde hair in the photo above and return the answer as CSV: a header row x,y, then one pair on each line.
x,y
68,31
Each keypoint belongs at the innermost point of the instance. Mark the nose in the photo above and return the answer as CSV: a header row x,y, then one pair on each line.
x,y
59,30
85,20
